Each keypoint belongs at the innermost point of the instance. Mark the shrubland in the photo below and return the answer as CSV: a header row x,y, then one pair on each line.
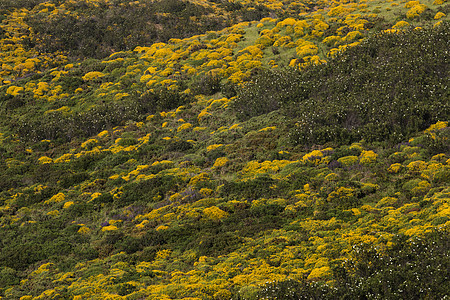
x,y
252,150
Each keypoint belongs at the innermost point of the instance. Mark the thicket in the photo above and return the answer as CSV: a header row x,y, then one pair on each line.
x,y
132,176
8,5
104,29
64,127
415,268
387,88
97,31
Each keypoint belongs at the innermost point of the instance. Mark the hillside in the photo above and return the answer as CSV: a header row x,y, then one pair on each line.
x,y
224,150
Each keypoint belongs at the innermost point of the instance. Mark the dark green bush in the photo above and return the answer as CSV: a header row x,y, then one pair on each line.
x,y
416,268
386,89
260,187
148,190
8,277
218,243
98,31
206,85
72,179
59,126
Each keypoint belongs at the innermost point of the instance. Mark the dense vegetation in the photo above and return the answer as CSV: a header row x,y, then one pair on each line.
x,y
303,155
99,30
383,90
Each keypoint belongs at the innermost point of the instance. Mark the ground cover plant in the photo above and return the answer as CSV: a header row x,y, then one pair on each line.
x,y
253,150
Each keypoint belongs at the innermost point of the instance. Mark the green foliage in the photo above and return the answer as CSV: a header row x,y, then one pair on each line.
x,y
252,189
65,127
142,175
104,29
8,277
206,85
410,269
385,89
265,93
148,190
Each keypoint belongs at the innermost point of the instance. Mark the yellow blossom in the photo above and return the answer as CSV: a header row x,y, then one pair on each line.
x,y
367,157
68,204
53,213
214,213
109,228
92,75
45,160
220,162
84,230
56,198
184,127
213,147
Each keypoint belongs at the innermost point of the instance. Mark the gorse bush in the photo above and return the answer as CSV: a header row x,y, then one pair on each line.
x,y
390,86
97,30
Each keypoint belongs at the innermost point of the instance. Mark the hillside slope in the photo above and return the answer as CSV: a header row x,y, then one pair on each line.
x,y
302,154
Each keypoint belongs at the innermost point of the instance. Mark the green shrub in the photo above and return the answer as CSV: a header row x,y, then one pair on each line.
x,y
412,269
354,96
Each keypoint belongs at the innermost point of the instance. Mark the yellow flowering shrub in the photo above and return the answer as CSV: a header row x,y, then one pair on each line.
x,y
103,134
332,177
206,192
84,230
421,188
213,147
220,162
268,128
410,4
341,10
254,168
416,10
395,168
416,166
351,36
306,50
109,228
320,272
332,40
68,204
314,156
92,75
439,157
400,24
45,160
60,197
163,254
142,224
14,90
214,213
184,127
63,158
43,268
53,213
348,160
437,126
162,227
341,195
197,179
368,157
